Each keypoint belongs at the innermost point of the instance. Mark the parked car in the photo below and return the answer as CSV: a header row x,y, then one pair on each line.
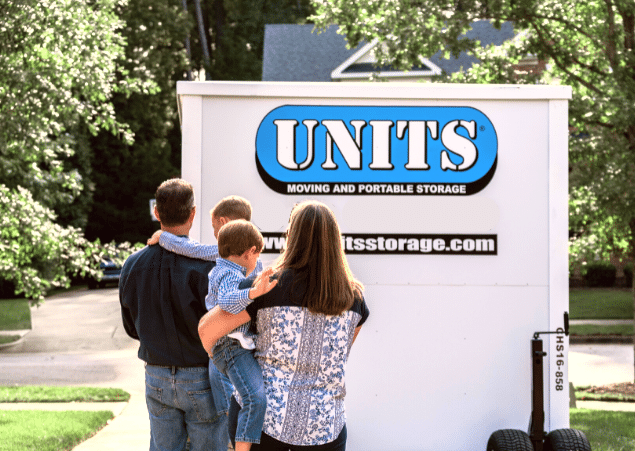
x,y
112,272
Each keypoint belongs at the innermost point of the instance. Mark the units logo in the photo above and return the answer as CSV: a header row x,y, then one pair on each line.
x,y
369,150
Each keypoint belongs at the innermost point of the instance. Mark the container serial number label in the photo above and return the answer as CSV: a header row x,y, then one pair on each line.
x,y
560,362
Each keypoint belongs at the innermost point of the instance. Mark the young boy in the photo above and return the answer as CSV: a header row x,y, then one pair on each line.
x,y
228,209
239,246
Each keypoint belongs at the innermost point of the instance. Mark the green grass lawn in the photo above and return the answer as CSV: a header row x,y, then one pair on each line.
x,y
592,329
15,314
600,303
42,393
606,430
39,430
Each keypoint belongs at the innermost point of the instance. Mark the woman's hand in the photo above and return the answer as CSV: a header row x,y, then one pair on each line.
x,y
217,323
154,239
263,284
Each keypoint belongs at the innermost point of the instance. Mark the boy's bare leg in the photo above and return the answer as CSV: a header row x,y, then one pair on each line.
x,y
217,323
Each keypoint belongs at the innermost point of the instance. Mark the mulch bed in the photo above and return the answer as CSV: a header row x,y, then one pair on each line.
x,y
625,389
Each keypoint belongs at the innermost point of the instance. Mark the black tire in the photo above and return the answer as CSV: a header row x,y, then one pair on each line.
x,y
509,440
566,440
92,284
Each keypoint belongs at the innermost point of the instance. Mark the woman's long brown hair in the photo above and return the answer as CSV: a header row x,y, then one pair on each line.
x,y
314,251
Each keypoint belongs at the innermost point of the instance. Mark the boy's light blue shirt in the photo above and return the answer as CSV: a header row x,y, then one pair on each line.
x,y
185,246
223,290
224,278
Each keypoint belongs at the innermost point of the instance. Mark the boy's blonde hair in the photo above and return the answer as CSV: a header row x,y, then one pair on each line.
x,y
238,236
232,207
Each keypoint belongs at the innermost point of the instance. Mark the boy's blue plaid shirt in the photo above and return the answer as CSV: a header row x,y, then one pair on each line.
x,y
232,302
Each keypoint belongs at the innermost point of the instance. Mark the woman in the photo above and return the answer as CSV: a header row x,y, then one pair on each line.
x,y
306,326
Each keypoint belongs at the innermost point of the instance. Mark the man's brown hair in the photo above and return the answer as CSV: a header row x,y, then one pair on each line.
x,y
232,207
174,201
238,236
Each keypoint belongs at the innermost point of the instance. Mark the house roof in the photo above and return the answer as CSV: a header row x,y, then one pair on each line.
x,y
300,53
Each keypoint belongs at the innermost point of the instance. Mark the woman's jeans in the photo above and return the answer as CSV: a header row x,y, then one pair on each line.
x,y
180,405
245,374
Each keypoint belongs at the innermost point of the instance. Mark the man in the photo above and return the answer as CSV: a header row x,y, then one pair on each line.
x,y
162,296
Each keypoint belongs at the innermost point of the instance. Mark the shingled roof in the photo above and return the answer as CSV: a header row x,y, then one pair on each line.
x,y
300,53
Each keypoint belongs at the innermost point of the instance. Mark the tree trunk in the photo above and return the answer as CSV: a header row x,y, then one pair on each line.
x,y
201,31
187,48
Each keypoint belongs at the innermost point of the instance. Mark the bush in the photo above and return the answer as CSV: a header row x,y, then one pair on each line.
x,y
36,253
628,274
600,274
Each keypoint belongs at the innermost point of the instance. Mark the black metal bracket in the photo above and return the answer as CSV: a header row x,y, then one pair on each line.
x,y
559,331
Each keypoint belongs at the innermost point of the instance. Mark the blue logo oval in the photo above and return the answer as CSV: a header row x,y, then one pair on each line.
x,y
376,150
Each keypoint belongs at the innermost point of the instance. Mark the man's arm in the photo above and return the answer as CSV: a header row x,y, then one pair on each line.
x,y
126,314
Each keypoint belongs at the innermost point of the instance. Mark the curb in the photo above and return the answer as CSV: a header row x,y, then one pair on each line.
x,y
601,339
21,333
115,407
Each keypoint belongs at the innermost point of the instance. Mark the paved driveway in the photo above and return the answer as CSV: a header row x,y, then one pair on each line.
x,y
77,339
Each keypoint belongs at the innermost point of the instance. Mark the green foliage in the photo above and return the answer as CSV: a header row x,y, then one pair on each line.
x,y
592,234
600,274
235,34
588,45
43,393
125,177
37,254
31,430
58,69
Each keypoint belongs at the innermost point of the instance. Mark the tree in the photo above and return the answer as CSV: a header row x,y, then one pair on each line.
x,y
589,45
234,33
125,175
58,71
226,40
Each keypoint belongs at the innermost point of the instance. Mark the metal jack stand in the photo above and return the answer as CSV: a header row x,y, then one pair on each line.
x,y
538,439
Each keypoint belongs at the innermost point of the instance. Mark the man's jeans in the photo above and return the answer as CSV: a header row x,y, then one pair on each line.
x,y
180,405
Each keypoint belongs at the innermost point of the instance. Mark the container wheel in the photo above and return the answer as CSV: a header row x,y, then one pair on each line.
x,y
566,440
509,440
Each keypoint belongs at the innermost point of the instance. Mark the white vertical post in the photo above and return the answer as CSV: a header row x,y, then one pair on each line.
x,y
557,402
192,151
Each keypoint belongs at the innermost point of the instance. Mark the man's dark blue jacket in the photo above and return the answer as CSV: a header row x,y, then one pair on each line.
x,y
162,298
